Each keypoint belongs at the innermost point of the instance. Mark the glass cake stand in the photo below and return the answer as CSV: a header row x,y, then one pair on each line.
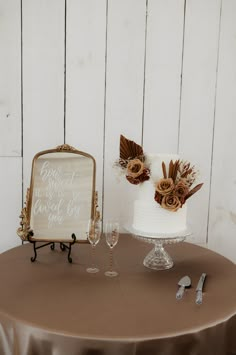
x,y
158,258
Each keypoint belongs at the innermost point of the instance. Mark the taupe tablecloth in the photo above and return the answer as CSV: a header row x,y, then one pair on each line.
x,y
51,307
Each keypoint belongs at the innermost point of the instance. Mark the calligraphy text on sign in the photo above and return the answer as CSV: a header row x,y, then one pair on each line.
x,y
58,198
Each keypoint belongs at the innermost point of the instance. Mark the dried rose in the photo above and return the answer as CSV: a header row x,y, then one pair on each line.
x,y
135,168
181,190
171,203
132,180
158,197
165,186
141,178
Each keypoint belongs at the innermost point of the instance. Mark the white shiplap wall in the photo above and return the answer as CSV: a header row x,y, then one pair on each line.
x,y
164,51
197,107
222,222
85,79
10,78
161,72
43,38
124,92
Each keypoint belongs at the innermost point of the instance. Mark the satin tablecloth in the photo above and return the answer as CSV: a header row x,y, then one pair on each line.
x,y
52,307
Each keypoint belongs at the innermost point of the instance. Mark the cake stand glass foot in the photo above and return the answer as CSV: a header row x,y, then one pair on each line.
x,y
158,258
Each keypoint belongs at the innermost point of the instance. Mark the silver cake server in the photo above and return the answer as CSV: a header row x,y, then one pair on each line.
x,y
183,282
199,288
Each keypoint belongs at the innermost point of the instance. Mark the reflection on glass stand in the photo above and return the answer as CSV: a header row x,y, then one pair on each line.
x,y
158,258
112,236
94,234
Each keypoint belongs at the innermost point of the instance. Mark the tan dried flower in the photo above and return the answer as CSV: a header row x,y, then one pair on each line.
x,y
135,168
171,202
181,190
165,186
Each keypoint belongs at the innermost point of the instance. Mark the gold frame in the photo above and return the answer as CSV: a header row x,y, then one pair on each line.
x,y
24,231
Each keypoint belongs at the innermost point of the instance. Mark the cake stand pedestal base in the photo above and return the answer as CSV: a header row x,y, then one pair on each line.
x,y
158,258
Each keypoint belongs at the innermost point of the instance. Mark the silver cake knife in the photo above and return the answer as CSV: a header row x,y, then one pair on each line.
x,y
199,288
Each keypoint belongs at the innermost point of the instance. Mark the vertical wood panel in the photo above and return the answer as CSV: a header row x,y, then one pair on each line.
x,y
125,67
10,74
222,223
43,77
85,79
163,74
198,102
10,202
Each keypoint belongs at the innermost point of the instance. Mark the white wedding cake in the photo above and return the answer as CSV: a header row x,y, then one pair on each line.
x,y
148,216
164,183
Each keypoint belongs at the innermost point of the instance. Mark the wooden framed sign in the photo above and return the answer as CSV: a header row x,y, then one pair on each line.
x,y
61,199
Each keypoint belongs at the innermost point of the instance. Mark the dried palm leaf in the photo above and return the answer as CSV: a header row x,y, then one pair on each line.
x,y
129,149
175,170
170,169
164,170
191,192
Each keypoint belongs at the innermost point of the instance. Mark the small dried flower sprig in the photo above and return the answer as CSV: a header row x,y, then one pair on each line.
x,y
132,161
172,191
187,173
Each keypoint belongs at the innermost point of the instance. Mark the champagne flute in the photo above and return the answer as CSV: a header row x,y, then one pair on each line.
x,y
94,234
112,236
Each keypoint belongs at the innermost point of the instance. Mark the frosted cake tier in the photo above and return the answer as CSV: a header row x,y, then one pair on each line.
x,y
150,217
154,219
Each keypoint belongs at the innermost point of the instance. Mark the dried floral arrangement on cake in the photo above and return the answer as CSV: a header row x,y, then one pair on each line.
x,y
132,161
173,189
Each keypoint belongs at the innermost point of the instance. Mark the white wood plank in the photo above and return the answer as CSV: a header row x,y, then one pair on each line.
x,y
43,77
10,74
198,102
10,202
85,79
124,100
222,222
163,75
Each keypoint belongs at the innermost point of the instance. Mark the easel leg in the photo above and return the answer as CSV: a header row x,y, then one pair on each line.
x,y
33,258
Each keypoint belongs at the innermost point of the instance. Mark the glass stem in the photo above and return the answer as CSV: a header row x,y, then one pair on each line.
x,y
111,259
93,250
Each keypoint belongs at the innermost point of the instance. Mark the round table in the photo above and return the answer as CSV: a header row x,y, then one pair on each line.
x,y
52,307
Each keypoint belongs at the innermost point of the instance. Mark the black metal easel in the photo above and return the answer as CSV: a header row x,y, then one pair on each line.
x,y
63,246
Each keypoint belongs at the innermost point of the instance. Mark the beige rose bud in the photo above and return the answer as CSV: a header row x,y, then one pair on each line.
x,y
135,168
171,203
165,186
